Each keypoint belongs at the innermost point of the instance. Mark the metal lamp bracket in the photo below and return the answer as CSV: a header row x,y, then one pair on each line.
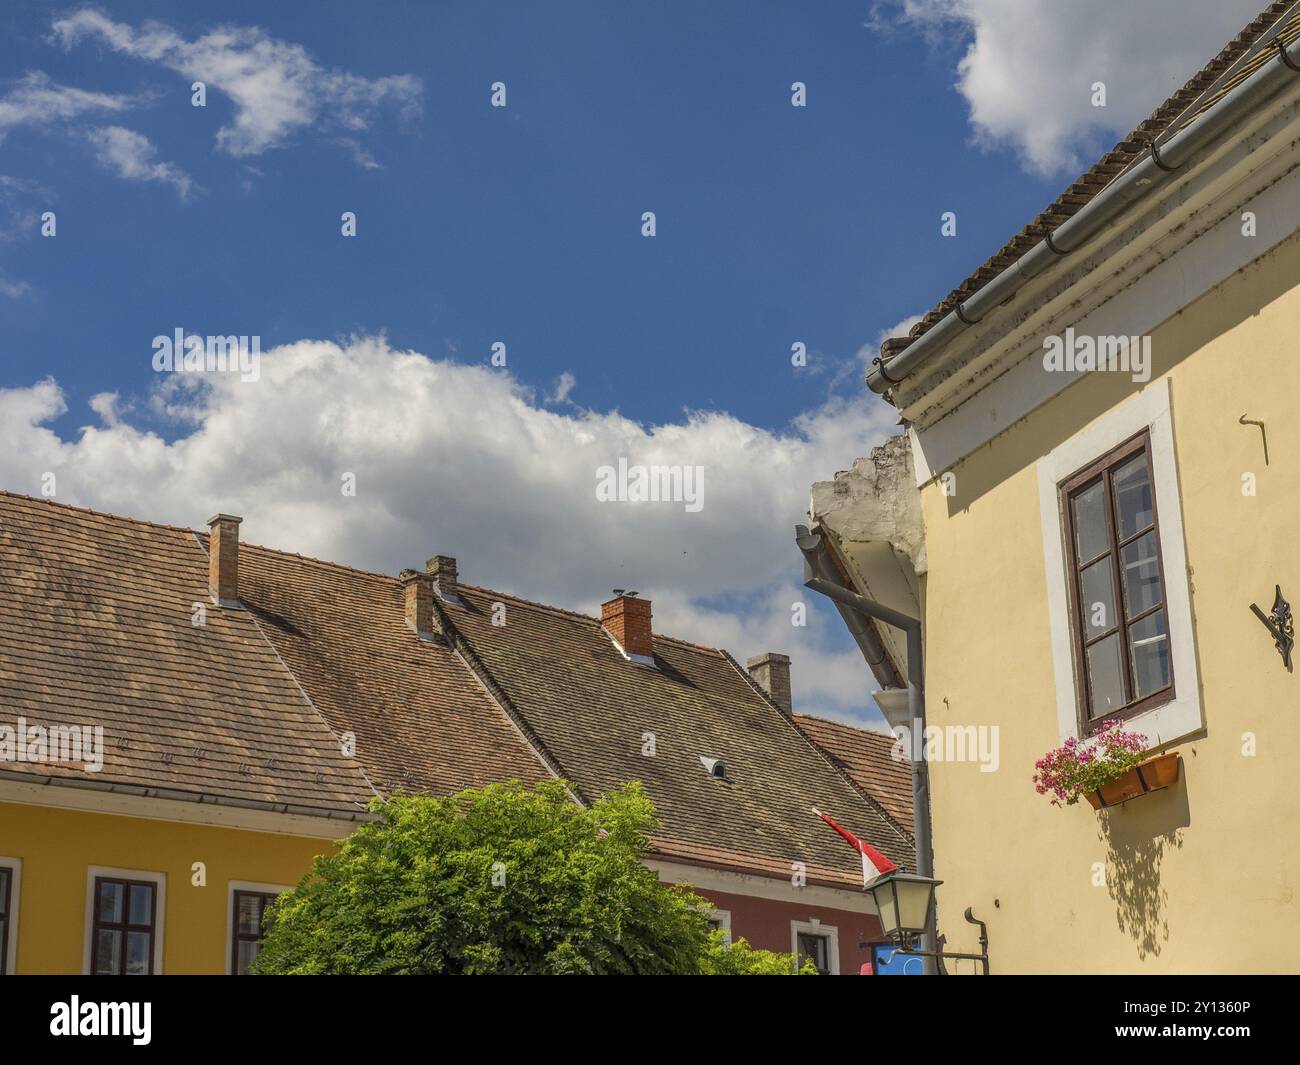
x,y
1280,625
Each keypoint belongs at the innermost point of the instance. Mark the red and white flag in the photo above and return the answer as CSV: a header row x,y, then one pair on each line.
x,y
874,863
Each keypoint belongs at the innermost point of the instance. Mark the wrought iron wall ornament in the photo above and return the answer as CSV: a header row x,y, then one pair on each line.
x,y
1280,625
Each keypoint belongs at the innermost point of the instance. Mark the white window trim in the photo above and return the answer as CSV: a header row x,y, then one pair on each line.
x,y
814,927
1148,410
160,909
15,867
243,885
723,917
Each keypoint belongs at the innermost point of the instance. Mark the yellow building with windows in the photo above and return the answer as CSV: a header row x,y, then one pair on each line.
x,y
1083,540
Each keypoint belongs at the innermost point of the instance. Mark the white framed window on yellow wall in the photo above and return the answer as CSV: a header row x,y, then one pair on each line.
x,y
1120,619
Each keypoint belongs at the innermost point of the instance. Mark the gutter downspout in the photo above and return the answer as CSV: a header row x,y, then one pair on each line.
x,y
810,545
1153,172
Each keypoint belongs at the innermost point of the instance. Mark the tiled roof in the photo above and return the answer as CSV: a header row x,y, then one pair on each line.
x,y
421,722
1234,63
595,712
95,628
866,757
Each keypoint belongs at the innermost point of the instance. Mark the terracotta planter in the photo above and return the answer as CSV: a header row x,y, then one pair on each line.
x,y
1121,789
1160,771
1154,774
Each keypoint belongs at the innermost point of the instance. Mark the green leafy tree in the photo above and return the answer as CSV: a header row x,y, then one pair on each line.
x,y
500,880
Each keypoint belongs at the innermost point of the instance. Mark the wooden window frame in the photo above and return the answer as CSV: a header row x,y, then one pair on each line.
x,y
6,915
1101,470
124,926
236,936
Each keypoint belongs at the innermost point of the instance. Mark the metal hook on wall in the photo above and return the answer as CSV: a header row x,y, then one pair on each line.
x,y
1243,420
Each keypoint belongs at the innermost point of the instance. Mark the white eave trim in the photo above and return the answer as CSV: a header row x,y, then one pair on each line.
x,y
1126,283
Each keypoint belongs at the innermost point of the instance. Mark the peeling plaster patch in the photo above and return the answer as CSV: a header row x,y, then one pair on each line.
x,y
877,501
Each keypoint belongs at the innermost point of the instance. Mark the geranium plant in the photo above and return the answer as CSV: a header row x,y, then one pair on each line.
x,y
1078,767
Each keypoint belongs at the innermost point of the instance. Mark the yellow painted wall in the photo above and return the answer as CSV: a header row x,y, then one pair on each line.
x,y
58,846
1201,878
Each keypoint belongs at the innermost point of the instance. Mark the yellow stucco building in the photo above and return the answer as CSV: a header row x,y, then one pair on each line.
x,y
1083,540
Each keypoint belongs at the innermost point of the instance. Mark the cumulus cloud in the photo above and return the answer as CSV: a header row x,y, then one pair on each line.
x,y
35,100
462,460
130,155
277,87
1028,67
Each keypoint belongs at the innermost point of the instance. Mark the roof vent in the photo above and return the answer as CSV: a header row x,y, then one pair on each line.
x,y
715,766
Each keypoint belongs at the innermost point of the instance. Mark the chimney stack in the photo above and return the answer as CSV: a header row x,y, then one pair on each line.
x,y
771,672
442,568
417,600
223,559
627,619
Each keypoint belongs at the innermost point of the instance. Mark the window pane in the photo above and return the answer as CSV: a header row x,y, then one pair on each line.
x,y
137,953
1149,645
813,948
110,901
1141,575
1105,676
1089,523
4,890
1132,492
1097,589
108,952
245,953
250,915
141,904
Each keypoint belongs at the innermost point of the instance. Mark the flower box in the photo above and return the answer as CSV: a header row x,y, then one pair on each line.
x,y
1108,768
1154,774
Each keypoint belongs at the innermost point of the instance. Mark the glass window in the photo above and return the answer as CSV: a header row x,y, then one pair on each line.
x,y
1121,642
816,949
122,934
248,928
6,886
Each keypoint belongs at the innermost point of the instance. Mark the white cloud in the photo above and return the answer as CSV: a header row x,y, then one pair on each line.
x,y
277,87
461,460
131,155
37,101
14,290
1028,66
561,388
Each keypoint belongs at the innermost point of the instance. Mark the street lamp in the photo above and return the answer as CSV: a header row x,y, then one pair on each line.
x,y
905,903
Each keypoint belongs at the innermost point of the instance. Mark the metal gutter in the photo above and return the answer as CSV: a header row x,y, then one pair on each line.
x,y
1161,165
199,798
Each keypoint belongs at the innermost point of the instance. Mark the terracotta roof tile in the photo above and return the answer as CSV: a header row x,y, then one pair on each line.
x,y
96,629
593,710
866,757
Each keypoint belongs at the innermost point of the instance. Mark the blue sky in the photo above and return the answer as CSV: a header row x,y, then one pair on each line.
x,y
520,224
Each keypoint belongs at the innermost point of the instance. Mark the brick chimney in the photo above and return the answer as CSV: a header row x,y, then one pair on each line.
x,y
442,568
627,619
417,603
771,672
223,559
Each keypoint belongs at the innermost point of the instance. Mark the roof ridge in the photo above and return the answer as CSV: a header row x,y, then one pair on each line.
x,y
97,513
552,609
845,724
